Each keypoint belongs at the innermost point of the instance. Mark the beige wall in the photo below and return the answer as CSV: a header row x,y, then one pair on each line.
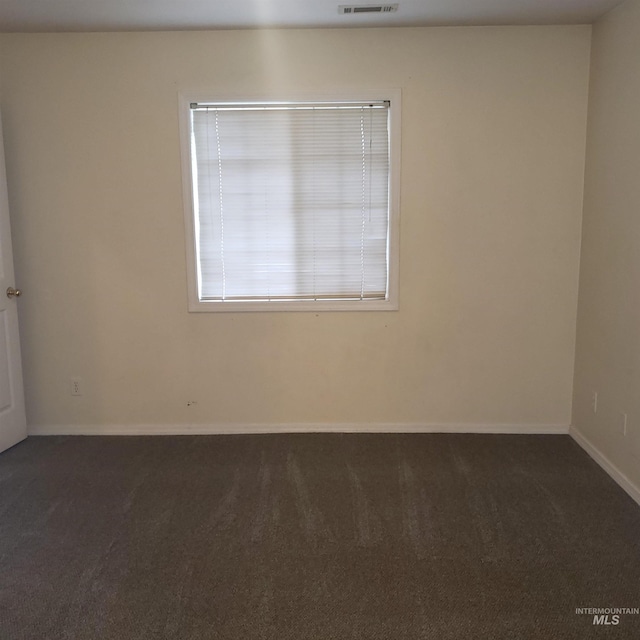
x,y
608,343
494,123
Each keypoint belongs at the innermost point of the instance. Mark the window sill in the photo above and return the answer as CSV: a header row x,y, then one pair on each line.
x,y
277,306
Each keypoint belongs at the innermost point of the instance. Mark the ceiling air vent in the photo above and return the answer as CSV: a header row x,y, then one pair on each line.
x,y
368,8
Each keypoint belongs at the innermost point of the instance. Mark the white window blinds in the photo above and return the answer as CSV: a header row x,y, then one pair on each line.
x,y
291,201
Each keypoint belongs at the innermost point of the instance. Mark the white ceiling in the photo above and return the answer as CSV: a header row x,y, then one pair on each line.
x,y
131,15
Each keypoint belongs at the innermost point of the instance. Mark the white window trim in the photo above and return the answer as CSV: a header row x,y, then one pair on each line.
x,y
391,302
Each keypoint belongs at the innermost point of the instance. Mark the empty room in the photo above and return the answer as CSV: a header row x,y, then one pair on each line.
x,y
320,321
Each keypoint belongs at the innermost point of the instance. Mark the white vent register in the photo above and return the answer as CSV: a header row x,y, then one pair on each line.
x,y
367,8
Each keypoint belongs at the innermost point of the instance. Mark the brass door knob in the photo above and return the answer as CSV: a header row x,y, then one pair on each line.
x,y
11,292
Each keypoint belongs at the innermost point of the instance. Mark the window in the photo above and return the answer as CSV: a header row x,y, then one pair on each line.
x,y
291,205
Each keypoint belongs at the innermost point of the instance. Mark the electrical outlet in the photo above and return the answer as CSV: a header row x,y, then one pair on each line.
x,y
76,387
623,423
594,402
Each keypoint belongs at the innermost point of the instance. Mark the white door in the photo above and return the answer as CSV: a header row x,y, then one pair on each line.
x,y
13,423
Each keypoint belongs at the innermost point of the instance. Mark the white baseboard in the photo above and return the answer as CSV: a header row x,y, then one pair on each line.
x,y
232,428
606,464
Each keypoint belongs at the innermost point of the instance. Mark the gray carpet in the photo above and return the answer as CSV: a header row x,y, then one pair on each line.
x,y
318,537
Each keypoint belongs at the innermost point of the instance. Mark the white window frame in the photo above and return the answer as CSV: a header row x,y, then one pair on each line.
x,y
390,303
